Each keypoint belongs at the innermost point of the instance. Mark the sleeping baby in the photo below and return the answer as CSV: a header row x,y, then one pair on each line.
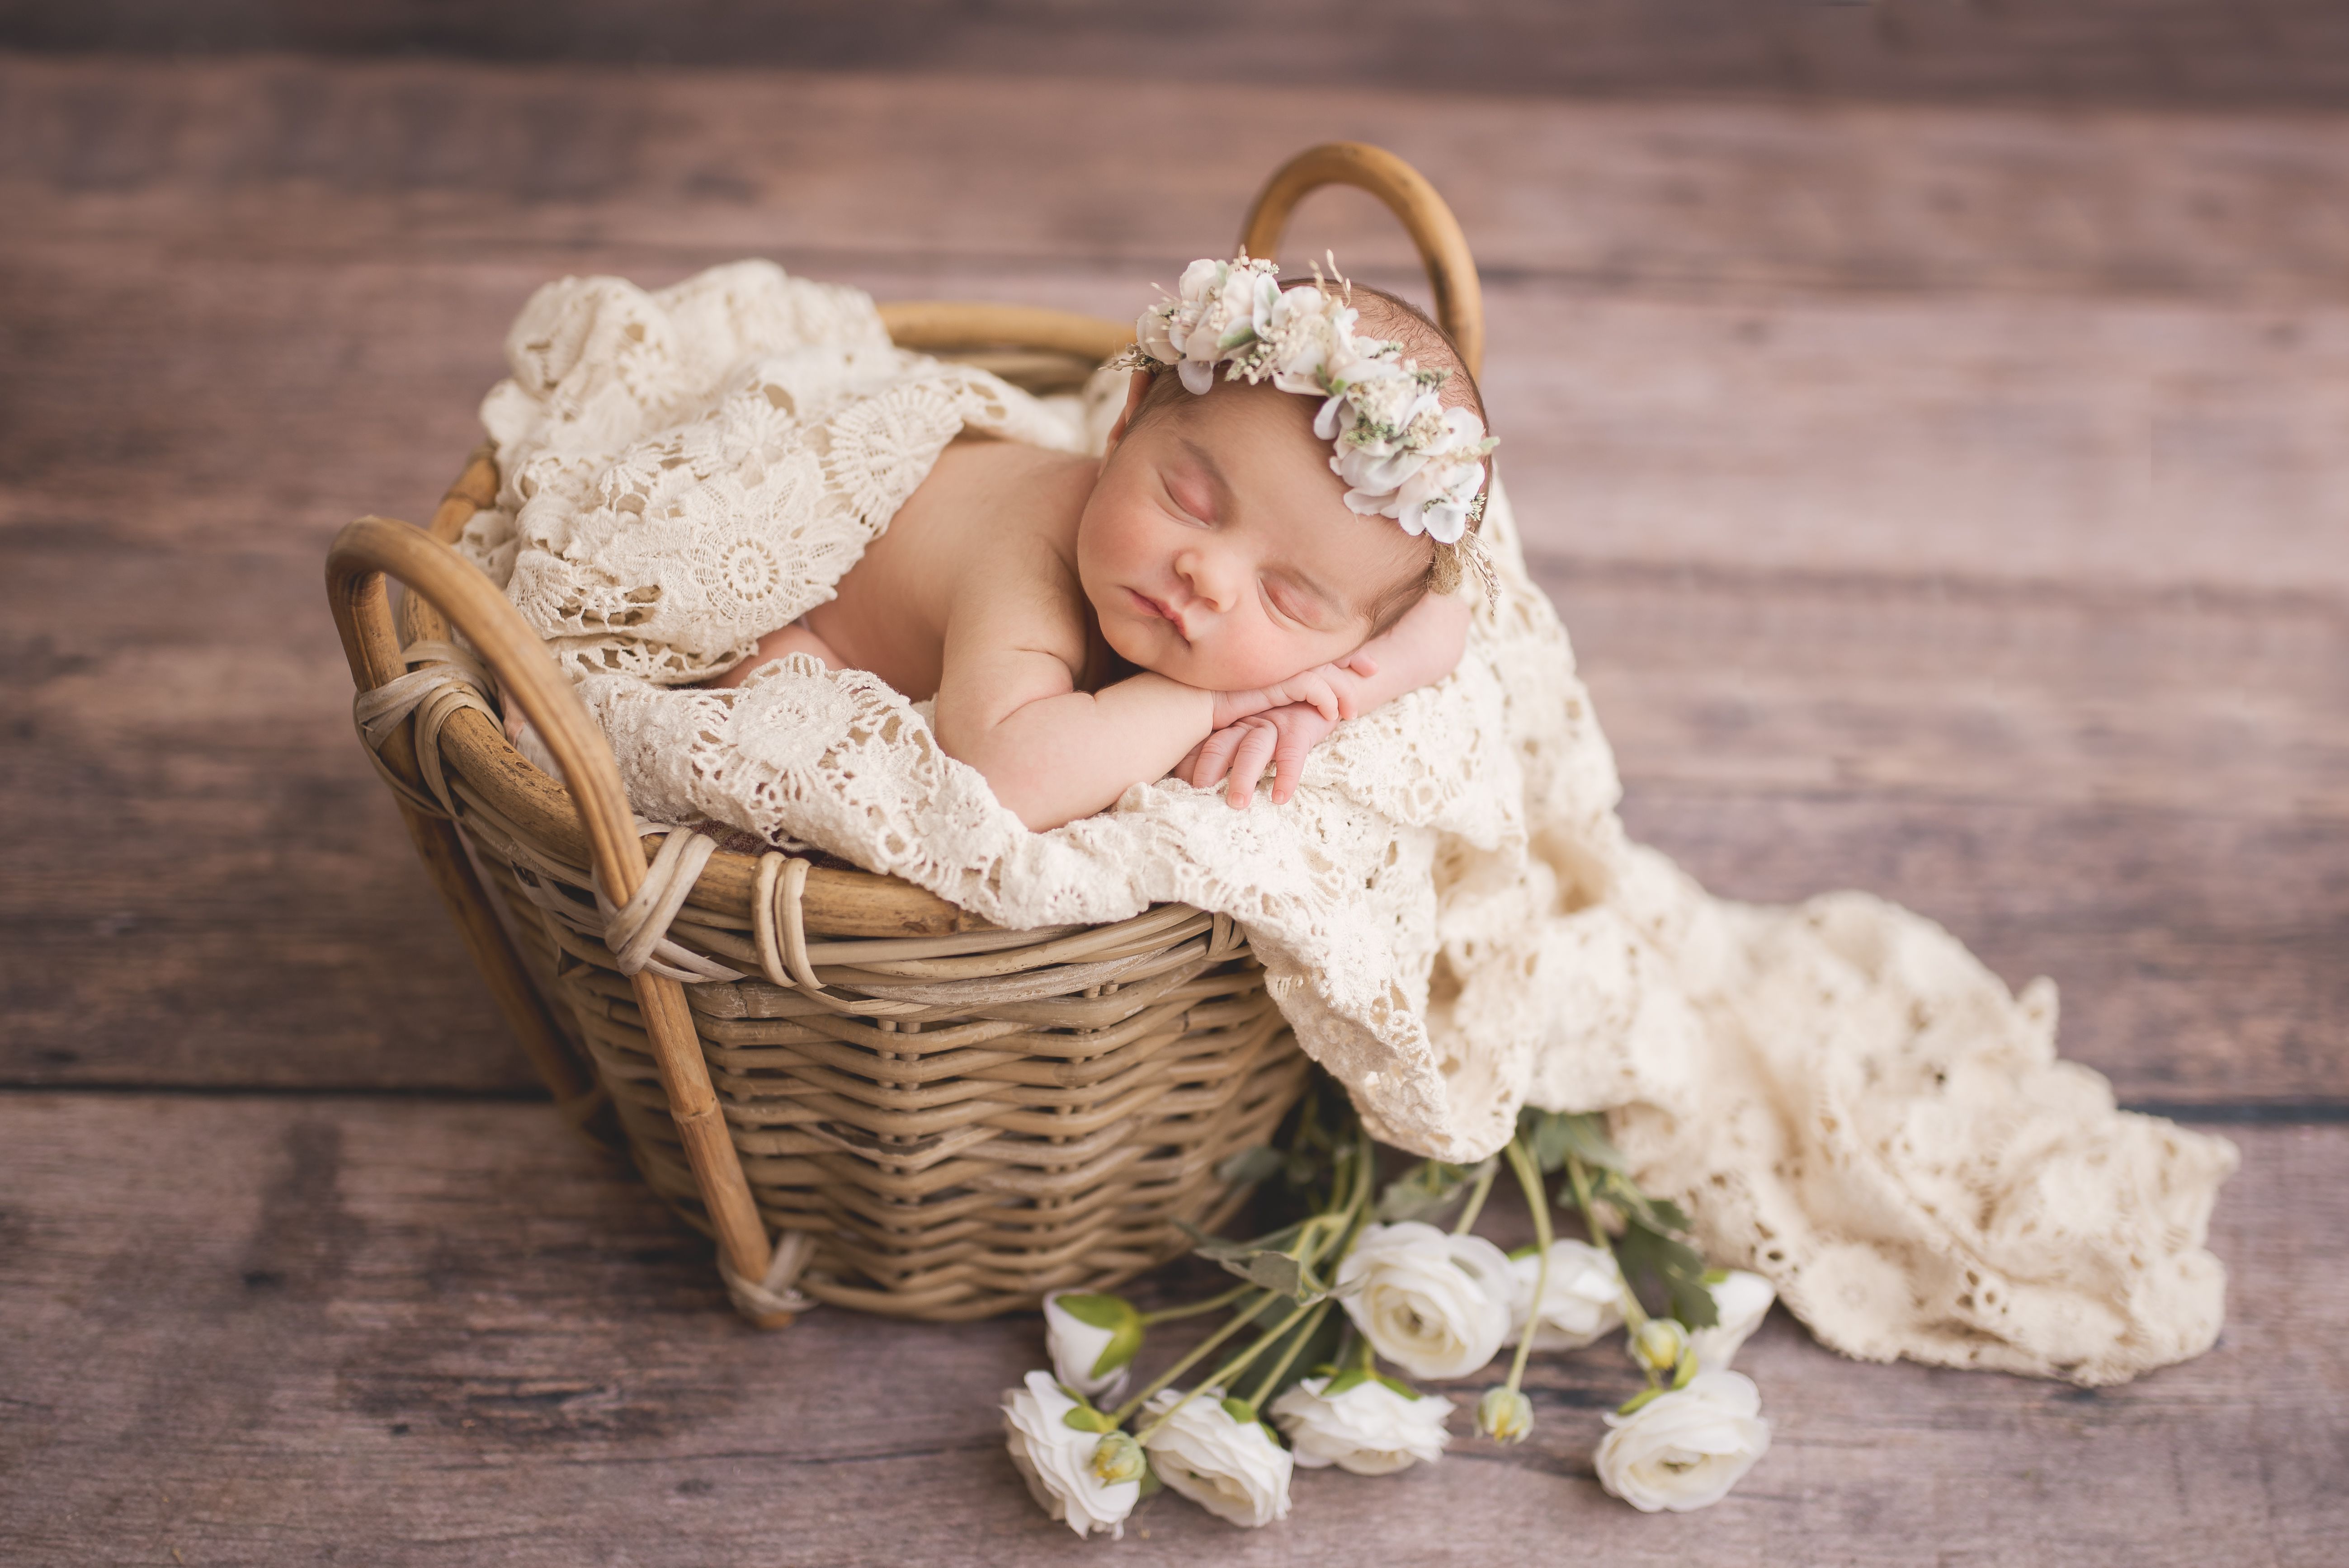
x,y
1213,595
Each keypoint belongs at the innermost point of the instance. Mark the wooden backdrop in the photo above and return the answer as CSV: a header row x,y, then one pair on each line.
x,y
1943,474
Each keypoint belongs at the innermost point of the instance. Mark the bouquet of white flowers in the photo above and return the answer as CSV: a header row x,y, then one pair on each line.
x,y
1369,1274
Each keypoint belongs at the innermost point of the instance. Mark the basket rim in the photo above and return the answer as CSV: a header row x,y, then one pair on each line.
x,y
838,901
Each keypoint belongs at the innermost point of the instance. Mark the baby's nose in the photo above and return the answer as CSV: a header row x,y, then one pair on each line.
x,y
1212,579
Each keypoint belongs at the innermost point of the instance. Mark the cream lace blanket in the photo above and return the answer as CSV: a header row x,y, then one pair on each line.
x,y
1449,911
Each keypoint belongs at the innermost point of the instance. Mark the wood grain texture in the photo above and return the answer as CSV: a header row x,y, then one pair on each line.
x,y
1944,501
2164,52
252,1331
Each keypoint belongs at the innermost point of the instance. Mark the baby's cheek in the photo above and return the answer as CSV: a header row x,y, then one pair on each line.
x,y
1264,654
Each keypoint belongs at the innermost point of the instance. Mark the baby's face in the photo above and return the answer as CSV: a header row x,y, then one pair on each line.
x,y
1217,547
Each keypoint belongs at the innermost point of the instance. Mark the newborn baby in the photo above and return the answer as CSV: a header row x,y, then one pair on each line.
x,y
1214,594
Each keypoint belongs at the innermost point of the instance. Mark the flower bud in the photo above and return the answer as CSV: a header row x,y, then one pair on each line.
x,y
1118,1458
1658,1345
1505,1415
1092,1339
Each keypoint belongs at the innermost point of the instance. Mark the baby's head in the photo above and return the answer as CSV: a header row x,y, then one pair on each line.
x,y
1218,547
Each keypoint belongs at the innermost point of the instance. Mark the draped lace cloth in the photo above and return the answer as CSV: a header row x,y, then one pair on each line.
x,y
1448,910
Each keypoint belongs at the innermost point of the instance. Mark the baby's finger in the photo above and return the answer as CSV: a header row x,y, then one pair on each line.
x,y
1255,754
1289,765
1361,663
1215,757
1184,769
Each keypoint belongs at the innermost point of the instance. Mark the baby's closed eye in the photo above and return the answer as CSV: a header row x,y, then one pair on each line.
x,y
1293,603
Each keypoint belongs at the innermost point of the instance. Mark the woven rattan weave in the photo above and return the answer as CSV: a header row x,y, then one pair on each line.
x,y
868,1097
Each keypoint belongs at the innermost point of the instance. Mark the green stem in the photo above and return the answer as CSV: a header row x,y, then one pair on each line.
x,y
1223,1375
1170,1314
1357,1179
1272,1378
1199,1353
1476,1197
1529,1178
1634,1314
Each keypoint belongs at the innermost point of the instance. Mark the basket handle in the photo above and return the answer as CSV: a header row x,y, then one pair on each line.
x,y
1451,268
363,555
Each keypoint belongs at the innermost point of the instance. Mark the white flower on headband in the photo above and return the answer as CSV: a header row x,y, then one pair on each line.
x,y
1400,451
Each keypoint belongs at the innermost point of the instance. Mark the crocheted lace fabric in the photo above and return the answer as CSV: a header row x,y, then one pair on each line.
x,y
1448,910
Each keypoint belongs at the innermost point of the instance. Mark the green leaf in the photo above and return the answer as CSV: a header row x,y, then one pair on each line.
x,y
1263,1262
1397,1384
1352,1377
1667,1274
1250,1166
1275,1271
1240,1410
1085,1418
1423,1190
1638,1208
1587,1140
1097,1310
1217,1247
1550,1137
1675,1219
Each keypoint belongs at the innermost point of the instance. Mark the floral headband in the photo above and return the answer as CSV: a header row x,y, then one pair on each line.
x,y
1400,451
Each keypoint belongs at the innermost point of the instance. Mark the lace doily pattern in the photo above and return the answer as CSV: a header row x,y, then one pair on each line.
x,y
1449,911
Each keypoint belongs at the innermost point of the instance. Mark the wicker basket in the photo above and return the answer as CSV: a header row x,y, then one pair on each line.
x,y
867,1097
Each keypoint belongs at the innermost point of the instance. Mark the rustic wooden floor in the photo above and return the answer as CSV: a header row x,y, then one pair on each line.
x,y
1951,501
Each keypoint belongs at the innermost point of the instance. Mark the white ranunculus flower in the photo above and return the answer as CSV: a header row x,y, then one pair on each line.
x,y
1370,1428
1685,1449
1150,329
1082,1330
1435,1305
1232,1468
1443,522
1263,305
1582,1300
1377,469
1056,1460
1743,1301
1200,280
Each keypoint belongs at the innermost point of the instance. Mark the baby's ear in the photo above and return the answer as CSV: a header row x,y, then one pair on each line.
x,y
1137,390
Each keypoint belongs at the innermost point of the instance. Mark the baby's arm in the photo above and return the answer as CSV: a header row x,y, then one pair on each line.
x,y
1419,650
1009,704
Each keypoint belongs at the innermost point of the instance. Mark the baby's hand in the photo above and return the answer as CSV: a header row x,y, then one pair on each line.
x,y
1280,737
1335,691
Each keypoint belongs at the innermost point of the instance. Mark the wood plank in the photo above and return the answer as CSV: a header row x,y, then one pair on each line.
x,y
247,1330
2179,51
409,158
2138,796
2136,789
1875,586
2141,801
2068,780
